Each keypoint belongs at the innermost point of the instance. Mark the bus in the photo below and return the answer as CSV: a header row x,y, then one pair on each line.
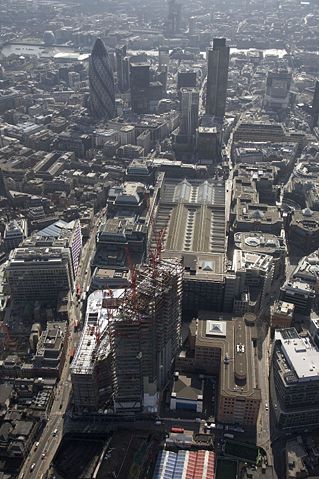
x,y
72,353
178,430
78,291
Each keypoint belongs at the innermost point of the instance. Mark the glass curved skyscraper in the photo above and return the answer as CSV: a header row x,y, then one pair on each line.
x,y
102,96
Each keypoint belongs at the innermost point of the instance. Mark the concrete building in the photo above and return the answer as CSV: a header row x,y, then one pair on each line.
x,y
122,68
308,270
203,282
187,393
295,380
222,345
303,235
208,145
163,56
38,273
117,235
140,83
315,105
189,112
277,94
217,78
299,293
174,18
257,217
263,243
51,349
127,135
254,273
69,234
15,232
282,314
186,79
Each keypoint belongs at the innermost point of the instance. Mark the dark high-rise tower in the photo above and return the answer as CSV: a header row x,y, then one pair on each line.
x,y
173,24
315,105
140,84
123,70
217,78
102,96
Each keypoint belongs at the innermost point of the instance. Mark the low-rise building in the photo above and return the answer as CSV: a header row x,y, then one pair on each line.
x,y
299,293
303,234
222,345
282,314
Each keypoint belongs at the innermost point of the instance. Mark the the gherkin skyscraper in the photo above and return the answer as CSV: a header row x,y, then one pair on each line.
x,y
102,96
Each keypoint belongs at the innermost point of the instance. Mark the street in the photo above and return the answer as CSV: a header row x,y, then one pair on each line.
x,y
40,457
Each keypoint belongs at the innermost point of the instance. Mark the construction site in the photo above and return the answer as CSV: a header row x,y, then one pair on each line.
x,y
130,340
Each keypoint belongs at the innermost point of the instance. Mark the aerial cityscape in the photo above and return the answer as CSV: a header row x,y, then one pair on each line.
x,y
159,239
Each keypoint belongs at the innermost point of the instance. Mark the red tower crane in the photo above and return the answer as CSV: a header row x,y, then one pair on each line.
x,y
133,273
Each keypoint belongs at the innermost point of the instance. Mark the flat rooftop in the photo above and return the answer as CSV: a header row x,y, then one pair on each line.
x,y
234,339
301,354
94,337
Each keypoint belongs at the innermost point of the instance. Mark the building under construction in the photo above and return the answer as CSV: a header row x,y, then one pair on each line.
x,y
145,336
129,341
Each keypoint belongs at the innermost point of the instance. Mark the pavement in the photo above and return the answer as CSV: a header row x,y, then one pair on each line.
x,y
40,457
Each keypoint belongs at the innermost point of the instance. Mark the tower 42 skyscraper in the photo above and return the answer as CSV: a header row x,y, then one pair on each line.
x,y
217,78
102,96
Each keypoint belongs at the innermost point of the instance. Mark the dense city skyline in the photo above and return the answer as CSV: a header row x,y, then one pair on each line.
x,y
159,239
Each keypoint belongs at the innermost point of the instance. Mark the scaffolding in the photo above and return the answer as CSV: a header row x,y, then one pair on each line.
x,y
145,332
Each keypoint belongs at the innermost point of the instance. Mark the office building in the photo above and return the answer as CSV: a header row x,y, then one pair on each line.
x,y
39,273
303,235
140,83
51,349
315,105
308,270
15,232
64,234
257,217
277,94
224,346
189,112
173,22
123,69
299,293
255,273
294,380
263,243
217,78
115,237
208,145
282,314
163,57
186,79
101,81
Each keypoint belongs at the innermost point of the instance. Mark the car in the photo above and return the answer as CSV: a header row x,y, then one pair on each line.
x,y
158,423
43,455
36,445
266,406
54,432
32,467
